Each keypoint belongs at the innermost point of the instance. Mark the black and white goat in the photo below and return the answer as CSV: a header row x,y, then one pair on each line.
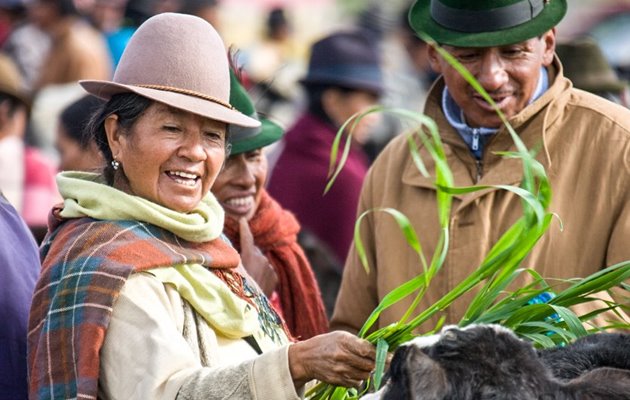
x,y
482,362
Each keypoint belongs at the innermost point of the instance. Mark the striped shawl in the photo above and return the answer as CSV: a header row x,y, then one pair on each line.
x,y
85,265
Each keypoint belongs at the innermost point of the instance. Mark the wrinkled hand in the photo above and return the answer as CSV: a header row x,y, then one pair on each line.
x,y
255,262
338,358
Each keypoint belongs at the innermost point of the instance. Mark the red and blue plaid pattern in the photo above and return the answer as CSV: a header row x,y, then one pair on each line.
x,y
86,263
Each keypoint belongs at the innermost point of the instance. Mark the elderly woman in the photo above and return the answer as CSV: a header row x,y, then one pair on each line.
x,y
140,297
255,223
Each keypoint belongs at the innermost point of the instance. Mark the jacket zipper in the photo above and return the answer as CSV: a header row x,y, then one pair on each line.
x,y
475,139
479,164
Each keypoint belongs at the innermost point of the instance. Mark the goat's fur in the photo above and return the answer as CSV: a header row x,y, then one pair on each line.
x,y
482,362
588,353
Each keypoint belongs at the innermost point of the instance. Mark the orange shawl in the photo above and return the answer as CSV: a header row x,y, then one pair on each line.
x,y
275,233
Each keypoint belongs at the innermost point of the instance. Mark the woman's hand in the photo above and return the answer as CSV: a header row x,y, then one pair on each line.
x,y
255,262
338,358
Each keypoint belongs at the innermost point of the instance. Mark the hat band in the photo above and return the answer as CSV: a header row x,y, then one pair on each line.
x,y
353,75
495,19
190,93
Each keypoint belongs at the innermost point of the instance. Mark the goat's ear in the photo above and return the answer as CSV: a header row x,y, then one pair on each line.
x,y
414,376
427,378
398,386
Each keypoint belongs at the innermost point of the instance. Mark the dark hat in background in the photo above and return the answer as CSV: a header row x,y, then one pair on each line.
x,y
584,64
276,18
11,81
244,139
347,59
485,23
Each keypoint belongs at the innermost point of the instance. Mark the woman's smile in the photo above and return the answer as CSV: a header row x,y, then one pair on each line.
x,y
239,205
184,178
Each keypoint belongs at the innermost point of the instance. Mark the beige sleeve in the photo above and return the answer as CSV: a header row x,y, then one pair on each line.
x,y
145,355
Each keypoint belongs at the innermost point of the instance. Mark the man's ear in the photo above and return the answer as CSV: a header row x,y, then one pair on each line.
x,y
549,42
434,59
114,134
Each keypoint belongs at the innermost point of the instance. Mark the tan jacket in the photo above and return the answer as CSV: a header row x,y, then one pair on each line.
x,y
584,144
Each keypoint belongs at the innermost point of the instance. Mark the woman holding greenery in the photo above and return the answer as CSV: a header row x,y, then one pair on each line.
x,y
140,296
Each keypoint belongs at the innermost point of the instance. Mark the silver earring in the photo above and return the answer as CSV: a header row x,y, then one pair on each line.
x,y
115,164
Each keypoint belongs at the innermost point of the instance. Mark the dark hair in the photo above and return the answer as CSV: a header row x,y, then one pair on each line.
x,y
128,107
76,117
192,7
276,19
314,94
14,102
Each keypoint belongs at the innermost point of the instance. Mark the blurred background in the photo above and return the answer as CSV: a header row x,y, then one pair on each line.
x,y
46,46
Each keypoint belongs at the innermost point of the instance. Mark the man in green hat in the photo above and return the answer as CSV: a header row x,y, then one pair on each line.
x,y
582,140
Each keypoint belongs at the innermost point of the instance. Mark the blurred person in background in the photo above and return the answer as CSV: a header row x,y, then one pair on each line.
x,y
78,51
406,70
205,9
584,64
344,77
19,268
274,65
24,42
261,231
77,150
27,177
108,16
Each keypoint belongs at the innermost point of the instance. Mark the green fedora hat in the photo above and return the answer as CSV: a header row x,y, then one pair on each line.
x,y
485,23
244,139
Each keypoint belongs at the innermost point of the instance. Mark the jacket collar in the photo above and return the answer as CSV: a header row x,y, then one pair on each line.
x,y
532,124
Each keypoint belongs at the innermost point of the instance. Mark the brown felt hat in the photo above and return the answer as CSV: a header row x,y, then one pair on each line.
x,y
179,60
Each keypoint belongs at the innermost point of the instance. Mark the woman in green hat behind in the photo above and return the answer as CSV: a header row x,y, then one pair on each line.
x,y
261,230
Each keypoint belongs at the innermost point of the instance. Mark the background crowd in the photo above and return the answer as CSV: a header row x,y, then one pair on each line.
x,y
293,58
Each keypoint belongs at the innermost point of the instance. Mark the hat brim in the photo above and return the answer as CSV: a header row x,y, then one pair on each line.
x,y
348,83
421,21
270,132
196,105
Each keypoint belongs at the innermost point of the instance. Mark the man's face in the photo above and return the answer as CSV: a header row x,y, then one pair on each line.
x,y
508,73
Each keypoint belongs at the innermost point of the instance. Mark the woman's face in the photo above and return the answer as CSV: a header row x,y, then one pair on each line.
x,y
238,186
168,156
341,105
74,157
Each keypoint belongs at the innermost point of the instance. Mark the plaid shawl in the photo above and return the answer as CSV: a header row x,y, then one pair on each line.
x,y
86,263
275,233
